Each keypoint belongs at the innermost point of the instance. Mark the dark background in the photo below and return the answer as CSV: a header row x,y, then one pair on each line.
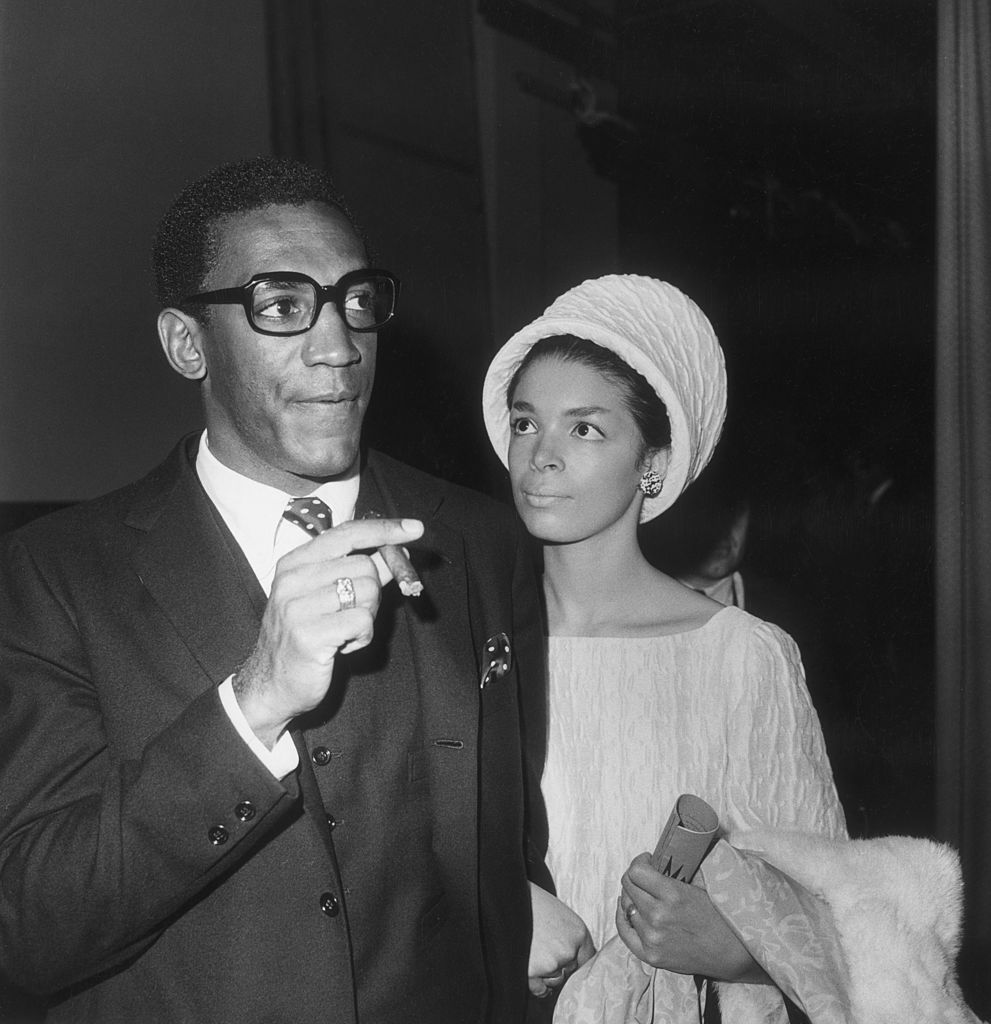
x,y
774,158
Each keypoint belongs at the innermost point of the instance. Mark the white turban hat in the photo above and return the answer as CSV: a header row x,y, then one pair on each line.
x,y
657,330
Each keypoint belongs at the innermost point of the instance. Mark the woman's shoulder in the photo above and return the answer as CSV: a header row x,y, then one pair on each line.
x,y
725,625
755,652
744,626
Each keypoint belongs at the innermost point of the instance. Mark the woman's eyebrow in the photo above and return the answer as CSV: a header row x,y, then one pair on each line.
x,y
579,410
586,410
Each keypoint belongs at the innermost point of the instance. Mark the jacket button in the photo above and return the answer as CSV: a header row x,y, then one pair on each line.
x,y
329,904
321,756
245,810
331,821
218,835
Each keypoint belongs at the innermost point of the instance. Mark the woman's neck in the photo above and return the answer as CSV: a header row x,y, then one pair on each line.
x,y
593,586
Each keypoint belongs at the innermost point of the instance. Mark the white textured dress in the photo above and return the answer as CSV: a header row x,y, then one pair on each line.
x,y
721,711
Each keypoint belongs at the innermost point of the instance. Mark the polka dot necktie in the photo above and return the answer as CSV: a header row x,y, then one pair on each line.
x,y
309,514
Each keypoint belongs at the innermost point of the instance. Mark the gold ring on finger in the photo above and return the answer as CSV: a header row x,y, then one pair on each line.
x,y
345,593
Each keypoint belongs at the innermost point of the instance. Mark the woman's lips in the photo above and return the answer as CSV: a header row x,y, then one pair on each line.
x,y
542,499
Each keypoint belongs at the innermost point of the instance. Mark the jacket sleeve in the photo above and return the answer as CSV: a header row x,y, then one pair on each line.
x,y
532,665
98,853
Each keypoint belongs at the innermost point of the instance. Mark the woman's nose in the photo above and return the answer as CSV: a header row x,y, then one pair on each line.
x,y
545,455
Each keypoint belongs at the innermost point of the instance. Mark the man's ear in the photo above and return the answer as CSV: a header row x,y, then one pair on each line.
x,y
182,342
738,534
728,553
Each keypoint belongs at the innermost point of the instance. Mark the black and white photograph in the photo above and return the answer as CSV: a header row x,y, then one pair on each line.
x,y
495,512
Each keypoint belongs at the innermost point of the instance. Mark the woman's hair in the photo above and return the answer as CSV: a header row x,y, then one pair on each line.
x,y
647,409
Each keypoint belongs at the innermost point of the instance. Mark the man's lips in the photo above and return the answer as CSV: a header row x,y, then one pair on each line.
x,y
335,399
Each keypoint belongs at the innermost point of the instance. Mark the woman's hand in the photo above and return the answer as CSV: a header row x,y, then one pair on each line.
x,y
672,925
560,945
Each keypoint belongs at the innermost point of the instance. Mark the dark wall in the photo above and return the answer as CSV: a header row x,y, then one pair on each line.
x,y
106,110
781,169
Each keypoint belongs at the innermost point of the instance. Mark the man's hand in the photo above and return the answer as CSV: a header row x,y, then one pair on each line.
x,y
305,627
560,945
672,925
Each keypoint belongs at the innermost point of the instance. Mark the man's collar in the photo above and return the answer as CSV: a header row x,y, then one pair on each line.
x,y
253,510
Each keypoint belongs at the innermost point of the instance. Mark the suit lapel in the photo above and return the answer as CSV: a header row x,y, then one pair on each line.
x,y
198,576
444,648
192,567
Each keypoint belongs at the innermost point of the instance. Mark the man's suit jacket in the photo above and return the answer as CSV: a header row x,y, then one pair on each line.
x,y
152,869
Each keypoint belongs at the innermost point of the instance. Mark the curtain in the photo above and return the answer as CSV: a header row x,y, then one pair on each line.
x,y
297,83
963,468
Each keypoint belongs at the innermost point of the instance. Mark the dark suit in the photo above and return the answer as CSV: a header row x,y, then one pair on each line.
x,y
153,869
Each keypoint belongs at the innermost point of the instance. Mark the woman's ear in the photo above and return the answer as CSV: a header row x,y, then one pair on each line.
x,y
182,342
657,459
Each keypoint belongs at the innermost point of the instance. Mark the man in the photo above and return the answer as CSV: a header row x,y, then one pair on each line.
x,y
243,776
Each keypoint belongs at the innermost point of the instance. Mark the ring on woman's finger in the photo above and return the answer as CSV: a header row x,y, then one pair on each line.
x,y
631,912
345,593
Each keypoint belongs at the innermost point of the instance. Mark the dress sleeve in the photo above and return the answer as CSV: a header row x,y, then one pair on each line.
x,y
779,774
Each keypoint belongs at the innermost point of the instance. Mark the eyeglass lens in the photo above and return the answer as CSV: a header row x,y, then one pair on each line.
x,y
287,306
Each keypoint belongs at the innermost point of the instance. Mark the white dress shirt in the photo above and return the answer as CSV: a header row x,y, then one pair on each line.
x,y
728,591
253,514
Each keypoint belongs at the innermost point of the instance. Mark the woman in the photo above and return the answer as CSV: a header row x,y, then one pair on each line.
x,y
604,409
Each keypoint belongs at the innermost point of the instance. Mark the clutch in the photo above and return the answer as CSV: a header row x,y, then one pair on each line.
x,y
687,837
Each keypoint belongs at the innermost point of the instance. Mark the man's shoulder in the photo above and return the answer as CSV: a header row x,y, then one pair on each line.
x,y
450,498
78,523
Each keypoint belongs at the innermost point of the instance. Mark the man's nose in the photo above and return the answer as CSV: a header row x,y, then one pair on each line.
x,y
329,341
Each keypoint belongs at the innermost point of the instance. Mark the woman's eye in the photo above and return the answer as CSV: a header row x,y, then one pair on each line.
x,y
522,425
587,430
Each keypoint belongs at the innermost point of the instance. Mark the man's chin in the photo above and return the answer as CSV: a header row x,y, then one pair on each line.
x,y
338,462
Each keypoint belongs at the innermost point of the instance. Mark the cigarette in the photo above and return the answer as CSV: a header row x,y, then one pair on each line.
x,y
398,563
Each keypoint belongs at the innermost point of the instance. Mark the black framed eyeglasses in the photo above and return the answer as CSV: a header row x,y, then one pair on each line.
x,y
286,303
